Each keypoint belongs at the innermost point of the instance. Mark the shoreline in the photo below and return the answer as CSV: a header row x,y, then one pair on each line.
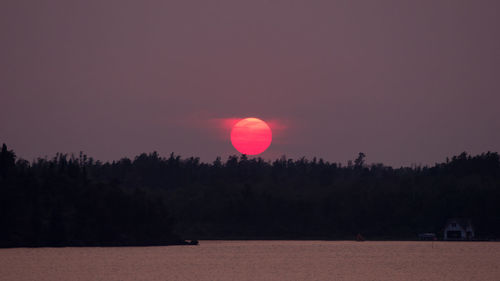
x,y
197,242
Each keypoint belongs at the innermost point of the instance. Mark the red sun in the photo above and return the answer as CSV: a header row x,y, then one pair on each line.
x,y
251,136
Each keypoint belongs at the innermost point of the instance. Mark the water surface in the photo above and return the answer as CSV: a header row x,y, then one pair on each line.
x,y
259,260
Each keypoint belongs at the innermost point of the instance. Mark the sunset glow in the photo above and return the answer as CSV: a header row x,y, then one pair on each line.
x,y
251,136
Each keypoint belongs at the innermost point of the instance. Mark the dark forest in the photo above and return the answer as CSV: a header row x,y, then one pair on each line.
x,y
151,200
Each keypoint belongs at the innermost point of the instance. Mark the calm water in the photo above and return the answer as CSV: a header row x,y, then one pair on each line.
x,y
259,260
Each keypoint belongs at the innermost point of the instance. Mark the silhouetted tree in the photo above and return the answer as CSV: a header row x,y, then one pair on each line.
x,y
360,161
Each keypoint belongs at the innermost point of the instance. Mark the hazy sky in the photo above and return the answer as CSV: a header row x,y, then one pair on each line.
x,y
402,81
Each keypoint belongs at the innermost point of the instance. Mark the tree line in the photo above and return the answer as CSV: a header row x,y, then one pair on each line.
x,y
153,200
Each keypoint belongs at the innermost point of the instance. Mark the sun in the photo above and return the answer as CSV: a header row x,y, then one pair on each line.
x,y
251,136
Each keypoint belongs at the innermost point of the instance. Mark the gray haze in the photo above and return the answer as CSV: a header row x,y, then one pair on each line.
x,y
403,81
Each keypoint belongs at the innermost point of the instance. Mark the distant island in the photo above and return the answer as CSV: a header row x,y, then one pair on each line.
x,y
73,200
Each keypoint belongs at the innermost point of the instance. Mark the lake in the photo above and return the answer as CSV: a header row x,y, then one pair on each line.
x,y
259,260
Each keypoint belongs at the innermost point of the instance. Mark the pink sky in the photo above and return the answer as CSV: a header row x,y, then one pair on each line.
x,y
402,81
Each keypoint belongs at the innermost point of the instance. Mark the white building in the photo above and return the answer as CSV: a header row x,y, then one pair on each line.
x,y
458,229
